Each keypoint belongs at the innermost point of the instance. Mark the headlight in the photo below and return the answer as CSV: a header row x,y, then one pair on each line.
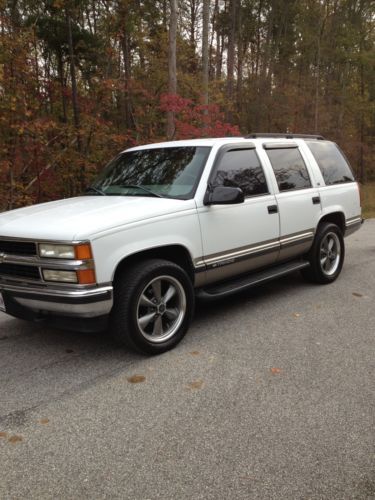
x,y
56,251
62,276
78,252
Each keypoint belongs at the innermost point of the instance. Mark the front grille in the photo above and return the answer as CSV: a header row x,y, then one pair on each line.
x,y
19,271
18,247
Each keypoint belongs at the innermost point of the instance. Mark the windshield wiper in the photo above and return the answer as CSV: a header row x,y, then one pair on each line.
x,y
95,190
136,186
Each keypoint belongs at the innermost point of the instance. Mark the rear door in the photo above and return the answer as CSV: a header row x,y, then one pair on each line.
x,y
297,198
240,237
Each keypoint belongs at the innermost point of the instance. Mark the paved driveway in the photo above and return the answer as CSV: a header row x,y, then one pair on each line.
x,y
271,395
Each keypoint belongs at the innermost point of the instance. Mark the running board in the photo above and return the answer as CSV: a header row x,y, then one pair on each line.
x,y
243,282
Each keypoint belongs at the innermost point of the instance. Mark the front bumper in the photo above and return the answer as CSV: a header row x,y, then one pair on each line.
x,y
33,303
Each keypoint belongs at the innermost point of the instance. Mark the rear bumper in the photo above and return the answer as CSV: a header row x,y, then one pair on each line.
x,y
34,303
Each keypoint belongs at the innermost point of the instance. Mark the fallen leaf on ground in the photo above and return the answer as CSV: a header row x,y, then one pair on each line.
x,y
195,353
44,421
136,379
15,439
3,434
357,294
197,384
275,370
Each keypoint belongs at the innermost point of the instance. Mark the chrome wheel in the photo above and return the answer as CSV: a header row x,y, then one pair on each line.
x,y
161,309
330,253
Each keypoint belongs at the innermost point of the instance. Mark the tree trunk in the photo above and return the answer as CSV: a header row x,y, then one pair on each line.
x,y
218,44
164,8
240,57
60,72
193,20
206,18
231,56
172,65
318,64
74,80
259,19
127,98
317,86
362,170
75,97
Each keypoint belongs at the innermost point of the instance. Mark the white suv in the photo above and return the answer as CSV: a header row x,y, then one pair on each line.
x,y
167,222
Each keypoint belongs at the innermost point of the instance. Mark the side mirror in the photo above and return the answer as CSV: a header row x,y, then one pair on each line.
x,y
224,195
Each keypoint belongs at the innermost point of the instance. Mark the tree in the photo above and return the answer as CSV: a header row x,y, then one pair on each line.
x,y
172,65
81,80
233,10
205,68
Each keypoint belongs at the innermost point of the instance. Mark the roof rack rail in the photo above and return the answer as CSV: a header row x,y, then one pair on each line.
x,y
285,136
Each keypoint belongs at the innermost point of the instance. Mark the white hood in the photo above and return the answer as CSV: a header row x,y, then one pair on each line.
x,y
84,216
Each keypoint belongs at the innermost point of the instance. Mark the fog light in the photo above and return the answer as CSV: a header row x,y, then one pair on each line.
x,y
62,276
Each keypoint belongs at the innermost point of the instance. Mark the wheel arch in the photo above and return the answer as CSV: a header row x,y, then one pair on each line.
x,y
176,253
337,217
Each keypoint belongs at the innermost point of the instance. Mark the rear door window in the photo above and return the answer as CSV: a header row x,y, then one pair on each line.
x,y
289,168
332,163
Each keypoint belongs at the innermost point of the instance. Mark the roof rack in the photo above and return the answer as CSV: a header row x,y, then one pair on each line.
x,y
285,136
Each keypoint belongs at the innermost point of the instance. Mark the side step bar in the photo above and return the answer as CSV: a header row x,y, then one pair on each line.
x,y
243,282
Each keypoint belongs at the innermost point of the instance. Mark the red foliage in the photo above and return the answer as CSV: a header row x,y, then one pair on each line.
x,y
196,120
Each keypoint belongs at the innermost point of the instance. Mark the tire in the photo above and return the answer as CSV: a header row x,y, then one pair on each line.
x,y
153,306
326,256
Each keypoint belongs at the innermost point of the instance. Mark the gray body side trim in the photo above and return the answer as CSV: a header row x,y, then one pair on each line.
x,y
223,265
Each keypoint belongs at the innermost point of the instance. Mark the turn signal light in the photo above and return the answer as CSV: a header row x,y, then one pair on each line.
x,y
86,276
83,252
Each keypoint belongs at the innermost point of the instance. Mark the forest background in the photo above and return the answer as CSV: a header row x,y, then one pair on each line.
x,y
81,80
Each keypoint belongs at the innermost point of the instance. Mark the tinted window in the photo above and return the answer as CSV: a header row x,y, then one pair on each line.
x,y
290,169
241,168
335,169
172,172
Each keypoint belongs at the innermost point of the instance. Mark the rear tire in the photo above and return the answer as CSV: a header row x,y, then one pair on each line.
x,y
153,306
326,256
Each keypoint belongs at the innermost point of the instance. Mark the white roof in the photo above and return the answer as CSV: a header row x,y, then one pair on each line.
x,y
189,142
213,141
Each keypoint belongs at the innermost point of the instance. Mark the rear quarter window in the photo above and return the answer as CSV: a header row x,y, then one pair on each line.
x,y
289,168
332,163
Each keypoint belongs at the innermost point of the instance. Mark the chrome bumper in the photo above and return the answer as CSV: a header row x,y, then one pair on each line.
x,y
79,303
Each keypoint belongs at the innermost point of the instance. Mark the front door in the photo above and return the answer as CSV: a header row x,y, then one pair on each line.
x,y
241,237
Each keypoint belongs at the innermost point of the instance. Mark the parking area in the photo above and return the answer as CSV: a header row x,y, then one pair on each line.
x,y
270,395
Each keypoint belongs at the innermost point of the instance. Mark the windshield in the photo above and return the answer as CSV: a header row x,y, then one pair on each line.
x,y
172,172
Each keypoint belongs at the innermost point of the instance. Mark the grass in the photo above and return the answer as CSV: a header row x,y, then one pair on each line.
x,y
368,200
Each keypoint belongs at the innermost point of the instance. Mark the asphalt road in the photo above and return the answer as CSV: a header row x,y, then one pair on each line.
x,y
270,396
